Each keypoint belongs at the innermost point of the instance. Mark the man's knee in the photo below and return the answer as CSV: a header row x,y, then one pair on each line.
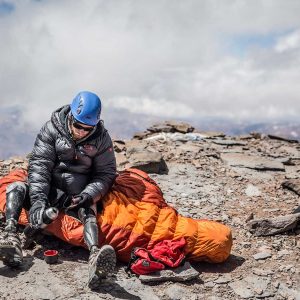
x,y
87,215
17,195
17,186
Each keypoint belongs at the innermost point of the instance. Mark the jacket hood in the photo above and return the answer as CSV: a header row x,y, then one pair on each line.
x,y
59,118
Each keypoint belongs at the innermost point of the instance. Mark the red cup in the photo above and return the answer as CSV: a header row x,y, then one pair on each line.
x,y
51,256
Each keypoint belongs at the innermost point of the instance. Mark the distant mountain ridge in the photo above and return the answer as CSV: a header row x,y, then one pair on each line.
x,y
18,138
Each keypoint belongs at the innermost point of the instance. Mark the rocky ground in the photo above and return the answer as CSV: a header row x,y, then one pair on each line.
x,y
204,175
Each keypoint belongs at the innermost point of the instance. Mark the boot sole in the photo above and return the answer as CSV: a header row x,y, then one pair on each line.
x,y
7,255
105,264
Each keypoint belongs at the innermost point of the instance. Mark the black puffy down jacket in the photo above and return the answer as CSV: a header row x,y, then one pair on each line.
x,y
57,163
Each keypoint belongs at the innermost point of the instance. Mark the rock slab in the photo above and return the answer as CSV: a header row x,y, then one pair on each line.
x,y
182,273
251,162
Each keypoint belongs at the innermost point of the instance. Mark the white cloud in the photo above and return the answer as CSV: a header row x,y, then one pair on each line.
x,y
155,107
153,57
289,42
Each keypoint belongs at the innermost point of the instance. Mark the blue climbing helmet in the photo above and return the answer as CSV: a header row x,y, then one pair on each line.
x,y
86,108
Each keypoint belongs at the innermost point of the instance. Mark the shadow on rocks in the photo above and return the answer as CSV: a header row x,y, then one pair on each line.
x,y
109,286
297,210
190,282
228,266
67,252
13,272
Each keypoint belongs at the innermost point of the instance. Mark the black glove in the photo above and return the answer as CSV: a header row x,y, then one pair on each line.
x,y
36,214
82,200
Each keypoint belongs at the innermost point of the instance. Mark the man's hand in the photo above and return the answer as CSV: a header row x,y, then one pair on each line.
x,y
36,214
81,200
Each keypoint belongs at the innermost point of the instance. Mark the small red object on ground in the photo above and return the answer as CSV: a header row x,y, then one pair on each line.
x,y
51,256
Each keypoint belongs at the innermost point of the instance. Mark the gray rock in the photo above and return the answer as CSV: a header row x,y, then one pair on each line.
x,y
177,138
285,291
188,147
263,227
160,128
17,160
281,138
171,126
210,134
251,162
292,151
262,255
176,292
44,293
182,273
180,126
121,160
271,210
215,201
245,137
223,279
293,185
229,142
135,146
7,162
257,135
262,272
256,282
209,284
135,287
119,145
241,289
141,135
252,191
287,161
283,252
292,175
252,286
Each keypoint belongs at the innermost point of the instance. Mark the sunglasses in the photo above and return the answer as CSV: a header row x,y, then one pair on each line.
x,y
78,125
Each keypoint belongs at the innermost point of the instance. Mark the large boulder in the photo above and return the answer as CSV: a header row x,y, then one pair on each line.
x,y
149,162
171,126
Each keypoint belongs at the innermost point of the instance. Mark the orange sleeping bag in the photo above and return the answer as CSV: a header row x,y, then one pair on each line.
x,y
135,214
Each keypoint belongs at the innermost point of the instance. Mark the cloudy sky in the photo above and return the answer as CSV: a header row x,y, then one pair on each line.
x,y
170,58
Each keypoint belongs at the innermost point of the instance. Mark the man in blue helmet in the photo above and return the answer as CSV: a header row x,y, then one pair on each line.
x,y
72,166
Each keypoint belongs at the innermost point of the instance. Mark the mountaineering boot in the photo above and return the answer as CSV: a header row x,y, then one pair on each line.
x,y
10,245
101,263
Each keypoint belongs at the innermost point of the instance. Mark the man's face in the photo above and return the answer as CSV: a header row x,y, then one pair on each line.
x,y
79,130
